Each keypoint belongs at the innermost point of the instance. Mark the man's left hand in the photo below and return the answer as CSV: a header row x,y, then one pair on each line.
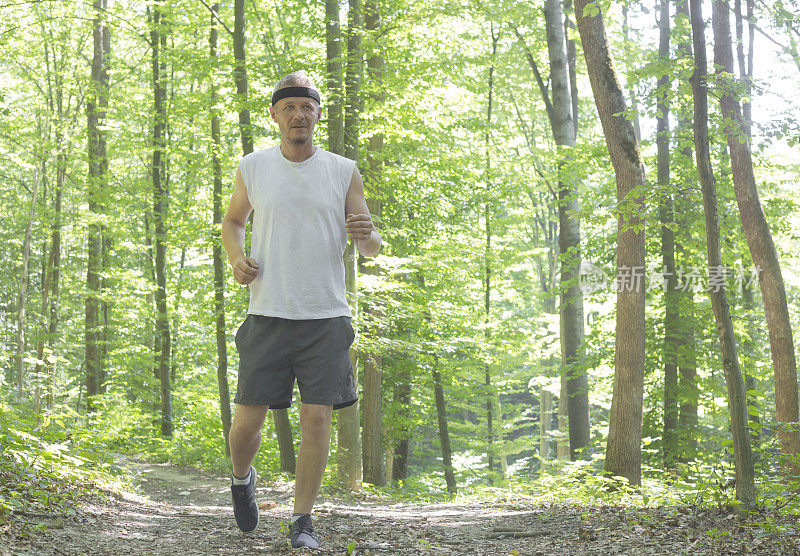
x,y
359,226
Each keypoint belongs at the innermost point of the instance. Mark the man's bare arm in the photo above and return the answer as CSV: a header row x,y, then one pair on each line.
x,y
245,269
359,222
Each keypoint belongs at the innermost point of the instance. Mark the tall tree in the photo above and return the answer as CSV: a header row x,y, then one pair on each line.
x,y
759,239
23,283
372,409
569,232
50,293
444,433
240,76
623,450
219,269
745,489
335,77
349,459
158,43
665,213
683,205
492,414
96,185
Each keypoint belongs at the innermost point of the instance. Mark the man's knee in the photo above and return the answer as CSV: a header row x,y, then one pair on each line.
x,y
315,418
248,420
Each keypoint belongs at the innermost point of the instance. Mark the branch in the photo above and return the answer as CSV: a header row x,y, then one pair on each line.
x,y
216,16
555,195
532,63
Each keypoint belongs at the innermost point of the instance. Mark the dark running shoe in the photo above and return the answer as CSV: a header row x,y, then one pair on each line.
x,y
303,533
245,508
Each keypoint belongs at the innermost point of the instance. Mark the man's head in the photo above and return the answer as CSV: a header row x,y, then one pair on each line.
x,y
296,107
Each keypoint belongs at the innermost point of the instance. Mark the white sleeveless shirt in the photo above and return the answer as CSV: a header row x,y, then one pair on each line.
x,y
298,234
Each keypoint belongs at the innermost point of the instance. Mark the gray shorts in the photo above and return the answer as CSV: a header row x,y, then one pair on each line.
x,y
273,352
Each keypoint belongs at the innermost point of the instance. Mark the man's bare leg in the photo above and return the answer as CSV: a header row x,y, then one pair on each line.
x,y
315,426
245,436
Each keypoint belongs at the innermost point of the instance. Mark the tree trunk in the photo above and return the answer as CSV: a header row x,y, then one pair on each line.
x,y
219,265
96,137
686,354
569,26
283,430
745,489
349,459
335,77
545,425
762,248
402,400
444,434
491,395
23,286
665,211
51,290
240,77
626,44
158,42
569,234
372,428
687,380
750,382
623,450
745,62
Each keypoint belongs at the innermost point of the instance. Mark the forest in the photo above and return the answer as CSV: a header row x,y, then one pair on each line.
x,y
586,293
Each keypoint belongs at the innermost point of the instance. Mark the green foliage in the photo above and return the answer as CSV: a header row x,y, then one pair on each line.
x,y
49,464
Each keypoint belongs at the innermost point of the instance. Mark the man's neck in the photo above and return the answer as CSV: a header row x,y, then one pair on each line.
x,y
297,153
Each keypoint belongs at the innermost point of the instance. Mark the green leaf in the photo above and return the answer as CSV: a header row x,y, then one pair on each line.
x,y
591,9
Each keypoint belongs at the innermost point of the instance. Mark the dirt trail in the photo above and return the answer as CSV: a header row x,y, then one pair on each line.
x,y
183,511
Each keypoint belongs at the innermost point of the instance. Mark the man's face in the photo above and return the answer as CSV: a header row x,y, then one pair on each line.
x,y
296,118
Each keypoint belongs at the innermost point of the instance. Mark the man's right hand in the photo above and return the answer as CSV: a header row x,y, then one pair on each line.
x,y
245,270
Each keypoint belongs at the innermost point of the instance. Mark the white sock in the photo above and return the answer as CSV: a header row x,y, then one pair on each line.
x,y
245,481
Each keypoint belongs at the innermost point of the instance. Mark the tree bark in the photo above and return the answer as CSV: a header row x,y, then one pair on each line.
x,y
97,178
283,430
750,382
491,395
762,248
158,41
569,234
444,434
686,354
745,489
349,458
335,77
623,450
372,409
23,286
569,26
240,76
402,400
671,332
219,265
545,425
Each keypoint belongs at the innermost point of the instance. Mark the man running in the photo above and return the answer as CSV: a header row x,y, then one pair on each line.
x,y
305,202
